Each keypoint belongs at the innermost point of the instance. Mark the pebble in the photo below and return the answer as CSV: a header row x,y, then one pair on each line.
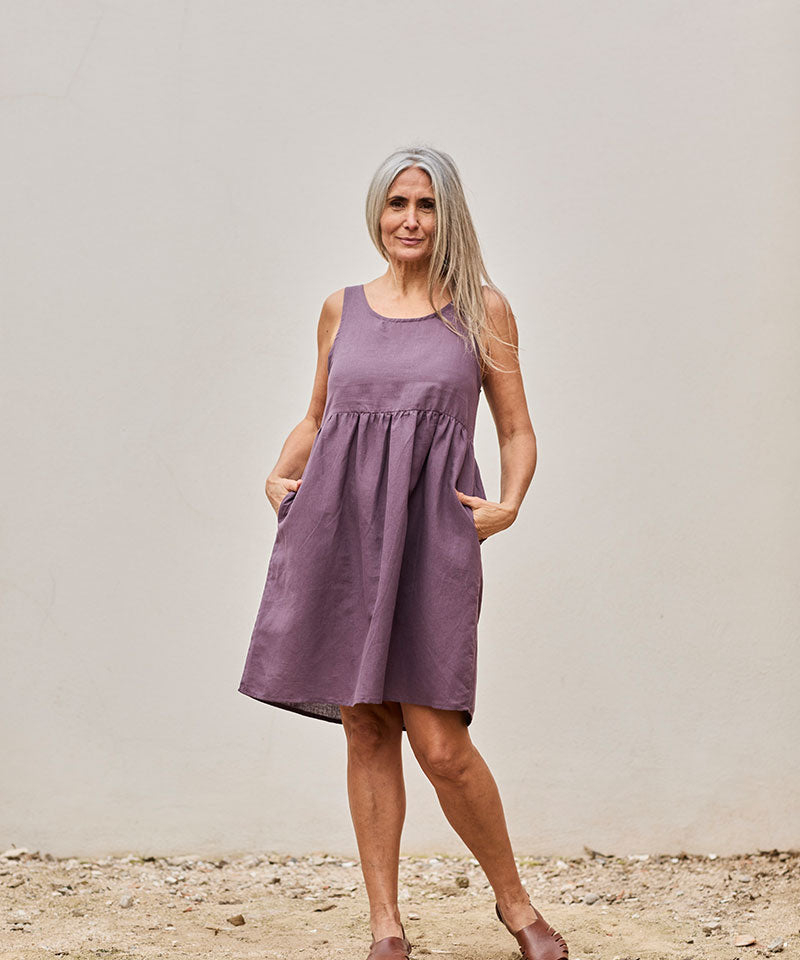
x,y
591,898
776,946
14,853
448,890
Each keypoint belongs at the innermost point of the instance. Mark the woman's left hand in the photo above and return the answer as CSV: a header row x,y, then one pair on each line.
x,y
489,517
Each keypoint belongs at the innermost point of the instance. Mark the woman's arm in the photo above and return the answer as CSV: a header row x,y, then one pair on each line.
x,y
505,395
287,473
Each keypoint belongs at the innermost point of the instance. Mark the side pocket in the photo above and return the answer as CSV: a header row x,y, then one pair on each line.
x,y
466,509
283,506
471,518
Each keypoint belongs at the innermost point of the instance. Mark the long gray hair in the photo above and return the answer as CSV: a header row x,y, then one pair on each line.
x,y
456,261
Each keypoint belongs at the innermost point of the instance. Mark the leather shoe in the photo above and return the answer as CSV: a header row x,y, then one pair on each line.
x,y
390,948
537,941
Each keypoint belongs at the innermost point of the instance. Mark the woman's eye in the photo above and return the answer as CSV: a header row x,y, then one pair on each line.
x,y
426,207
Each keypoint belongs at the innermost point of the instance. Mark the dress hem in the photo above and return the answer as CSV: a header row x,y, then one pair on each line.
x,y
297,706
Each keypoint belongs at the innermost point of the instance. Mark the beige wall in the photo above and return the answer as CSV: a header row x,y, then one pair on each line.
x,y
183,184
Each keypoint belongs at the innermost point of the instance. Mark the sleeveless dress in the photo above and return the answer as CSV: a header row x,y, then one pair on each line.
x,y
375,581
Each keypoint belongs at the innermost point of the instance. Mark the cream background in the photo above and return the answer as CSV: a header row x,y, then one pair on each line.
x,y
183,185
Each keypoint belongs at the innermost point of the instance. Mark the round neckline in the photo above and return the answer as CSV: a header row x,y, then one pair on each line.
x,y
380,316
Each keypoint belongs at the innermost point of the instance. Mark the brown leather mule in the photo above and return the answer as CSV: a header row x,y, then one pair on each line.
x,y
390,948
538,941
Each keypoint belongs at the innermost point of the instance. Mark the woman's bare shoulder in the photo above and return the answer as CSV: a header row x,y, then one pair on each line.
x,y
330,317
332,304
493,297
498,309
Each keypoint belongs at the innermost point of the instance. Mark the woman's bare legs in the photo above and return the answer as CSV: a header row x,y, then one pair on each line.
x,y
470,800
377,795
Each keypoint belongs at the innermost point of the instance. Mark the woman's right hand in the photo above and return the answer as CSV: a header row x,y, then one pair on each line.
x,y
276,489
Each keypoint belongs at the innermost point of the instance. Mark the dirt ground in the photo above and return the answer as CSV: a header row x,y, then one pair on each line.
x,y
617,907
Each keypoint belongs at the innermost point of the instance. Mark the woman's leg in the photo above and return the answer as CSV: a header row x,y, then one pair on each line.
x,y
470,800
377,795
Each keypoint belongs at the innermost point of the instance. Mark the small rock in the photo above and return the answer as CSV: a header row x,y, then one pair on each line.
x,y
449,890
126,901
745,941
709,928
14,853
591,898
775,946
236,921
462,880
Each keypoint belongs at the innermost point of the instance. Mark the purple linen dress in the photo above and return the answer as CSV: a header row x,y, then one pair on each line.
x,y
374,585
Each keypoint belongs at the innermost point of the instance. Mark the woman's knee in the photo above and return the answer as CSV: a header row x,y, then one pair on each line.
x,y
372,726
442,760
440,742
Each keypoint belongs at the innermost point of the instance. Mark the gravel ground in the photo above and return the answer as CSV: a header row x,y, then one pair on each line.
x,y
273,905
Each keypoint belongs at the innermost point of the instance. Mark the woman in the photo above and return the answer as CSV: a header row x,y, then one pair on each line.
x,y
370,609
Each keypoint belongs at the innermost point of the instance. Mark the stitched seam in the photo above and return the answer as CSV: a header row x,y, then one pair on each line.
x,y
439,413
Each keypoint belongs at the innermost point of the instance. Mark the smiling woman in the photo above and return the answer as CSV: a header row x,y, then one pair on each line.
x,y
370,610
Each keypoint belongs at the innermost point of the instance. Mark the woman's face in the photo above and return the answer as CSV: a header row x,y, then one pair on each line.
x,y
408,221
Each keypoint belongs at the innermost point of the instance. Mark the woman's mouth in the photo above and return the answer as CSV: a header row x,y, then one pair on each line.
x,y
410,241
